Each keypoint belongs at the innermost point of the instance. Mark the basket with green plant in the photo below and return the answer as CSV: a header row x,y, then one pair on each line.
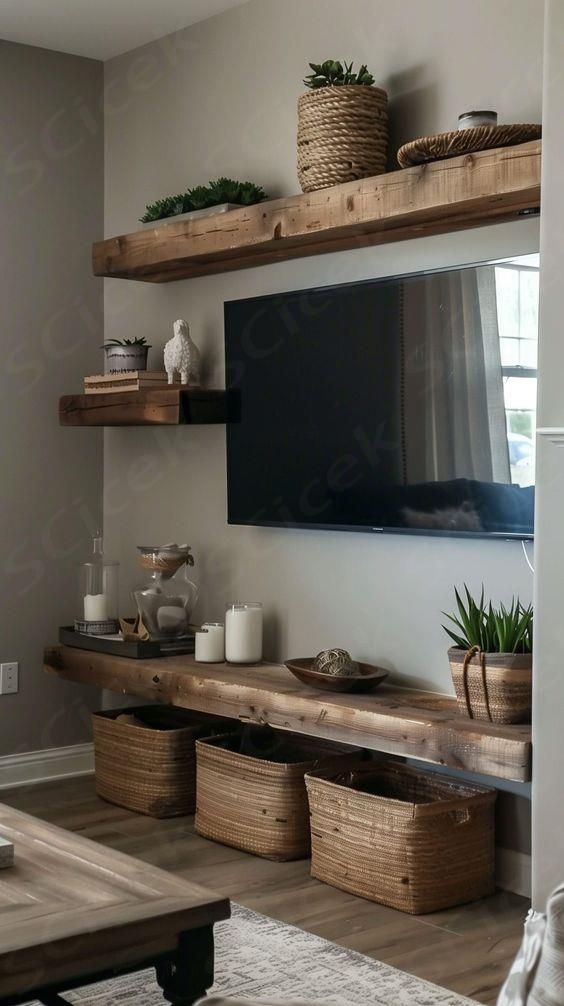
x,y
491,660
342,125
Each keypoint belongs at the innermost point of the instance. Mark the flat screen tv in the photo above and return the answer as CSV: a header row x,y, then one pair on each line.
x,y
404,404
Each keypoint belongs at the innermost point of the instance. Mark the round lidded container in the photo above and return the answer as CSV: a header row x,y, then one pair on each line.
x,y
482,117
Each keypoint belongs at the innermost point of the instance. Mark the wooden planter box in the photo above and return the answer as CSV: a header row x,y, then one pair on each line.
x,y
497,687
412,840
150,769
251,790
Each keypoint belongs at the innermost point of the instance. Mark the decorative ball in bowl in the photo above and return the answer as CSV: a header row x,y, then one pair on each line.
x,y
335,661
335,671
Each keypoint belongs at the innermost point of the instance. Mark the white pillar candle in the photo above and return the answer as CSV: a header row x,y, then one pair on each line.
x,y
95,608
243,633
210,643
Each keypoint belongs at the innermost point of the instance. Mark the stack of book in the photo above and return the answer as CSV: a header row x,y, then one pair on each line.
x,y
126,380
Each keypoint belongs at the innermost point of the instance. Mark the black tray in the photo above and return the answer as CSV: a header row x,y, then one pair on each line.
x,y
139,650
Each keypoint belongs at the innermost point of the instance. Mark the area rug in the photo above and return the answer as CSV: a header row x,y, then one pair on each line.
x,y
262,959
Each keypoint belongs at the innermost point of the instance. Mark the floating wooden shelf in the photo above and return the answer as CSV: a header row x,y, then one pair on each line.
x,y
482,188
414,724
153,407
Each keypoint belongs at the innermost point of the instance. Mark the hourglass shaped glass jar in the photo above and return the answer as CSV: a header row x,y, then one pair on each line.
x,y
166,602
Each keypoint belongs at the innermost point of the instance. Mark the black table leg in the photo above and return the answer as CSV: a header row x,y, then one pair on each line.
x,y
187,974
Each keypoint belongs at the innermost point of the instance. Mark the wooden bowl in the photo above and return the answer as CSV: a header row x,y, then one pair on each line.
x,y
370,677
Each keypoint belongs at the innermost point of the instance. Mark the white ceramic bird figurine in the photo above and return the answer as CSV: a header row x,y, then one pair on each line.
x,y
181,355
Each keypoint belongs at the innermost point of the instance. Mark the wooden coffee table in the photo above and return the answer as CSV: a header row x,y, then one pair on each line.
x,y
73,912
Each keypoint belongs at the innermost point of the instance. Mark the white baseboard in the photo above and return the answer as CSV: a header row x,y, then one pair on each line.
x,y
42,766
513,871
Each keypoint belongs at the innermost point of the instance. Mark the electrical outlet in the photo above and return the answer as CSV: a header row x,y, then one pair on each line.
x,y
9,678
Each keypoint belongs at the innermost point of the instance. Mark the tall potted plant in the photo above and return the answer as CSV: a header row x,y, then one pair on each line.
x,y
491,661
342,126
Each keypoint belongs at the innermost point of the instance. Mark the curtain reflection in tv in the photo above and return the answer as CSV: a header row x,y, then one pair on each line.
x,y
453,404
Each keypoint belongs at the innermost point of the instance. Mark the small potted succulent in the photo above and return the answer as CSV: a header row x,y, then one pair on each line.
x,y
491,661
125,354
342,126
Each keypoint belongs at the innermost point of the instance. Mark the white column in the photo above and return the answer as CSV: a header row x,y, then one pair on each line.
x,y
548,698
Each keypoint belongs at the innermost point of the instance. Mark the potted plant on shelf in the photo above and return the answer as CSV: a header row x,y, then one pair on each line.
x,y
203,200
342,126
125,354
491,661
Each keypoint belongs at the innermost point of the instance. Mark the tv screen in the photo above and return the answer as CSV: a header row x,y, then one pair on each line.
x,y
405,404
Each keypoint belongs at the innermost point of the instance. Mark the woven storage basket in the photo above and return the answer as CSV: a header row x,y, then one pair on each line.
x,y
251,790
408,839
497,687
342,135
150,769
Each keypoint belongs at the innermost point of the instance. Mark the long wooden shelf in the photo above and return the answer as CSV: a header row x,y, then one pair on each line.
x,y
414,724
151,407
468,191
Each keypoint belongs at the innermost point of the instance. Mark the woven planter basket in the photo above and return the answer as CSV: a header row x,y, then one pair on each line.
x,y
497,687
412,840
150,769
342,135
251,790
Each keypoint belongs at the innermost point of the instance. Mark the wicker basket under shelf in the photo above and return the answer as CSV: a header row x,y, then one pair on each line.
x,y
415,841
150,769
342,135
251,791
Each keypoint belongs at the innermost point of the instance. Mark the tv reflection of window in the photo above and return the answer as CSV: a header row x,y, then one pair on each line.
x,y
517,292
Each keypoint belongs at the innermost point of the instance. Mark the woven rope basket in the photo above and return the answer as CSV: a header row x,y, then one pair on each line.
x,y
150,769
342,135
251,790
497,687
410,840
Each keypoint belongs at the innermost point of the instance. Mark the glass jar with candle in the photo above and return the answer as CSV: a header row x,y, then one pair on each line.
x,y
243,632
97,606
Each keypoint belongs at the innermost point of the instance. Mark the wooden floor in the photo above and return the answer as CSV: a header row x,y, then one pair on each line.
x,y
466,949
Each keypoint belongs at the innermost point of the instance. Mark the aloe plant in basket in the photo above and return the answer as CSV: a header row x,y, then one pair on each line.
x,y
491,661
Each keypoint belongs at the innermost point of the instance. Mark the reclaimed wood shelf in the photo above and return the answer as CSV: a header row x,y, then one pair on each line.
x,y
399,721
467,191
170,406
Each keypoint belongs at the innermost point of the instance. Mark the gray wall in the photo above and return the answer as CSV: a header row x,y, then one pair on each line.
x,y
548,698
51,199
219,98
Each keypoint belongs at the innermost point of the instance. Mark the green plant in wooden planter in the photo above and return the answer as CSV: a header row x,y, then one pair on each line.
x,y
333,73
491,661
223,190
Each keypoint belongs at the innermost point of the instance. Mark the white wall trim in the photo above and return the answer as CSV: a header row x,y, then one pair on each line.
x,y
43,766
513,871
